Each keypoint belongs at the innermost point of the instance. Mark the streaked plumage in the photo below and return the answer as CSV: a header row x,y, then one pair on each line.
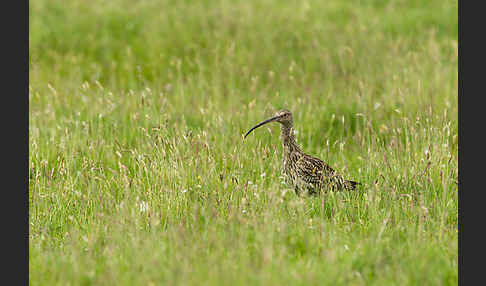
x,y
303,171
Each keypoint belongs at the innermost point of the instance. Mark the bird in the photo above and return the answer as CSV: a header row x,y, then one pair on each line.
x,y
303,172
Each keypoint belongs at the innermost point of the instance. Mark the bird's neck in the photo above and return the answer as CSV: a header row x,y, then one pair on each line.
x,y
288,139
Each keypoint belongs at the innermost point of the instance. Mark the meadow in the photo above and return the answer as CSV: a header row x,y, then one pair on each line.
x,y
139,174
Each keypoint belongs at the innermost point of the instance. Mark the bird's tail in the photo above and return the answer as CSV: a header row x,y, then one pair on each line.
x,y
352,184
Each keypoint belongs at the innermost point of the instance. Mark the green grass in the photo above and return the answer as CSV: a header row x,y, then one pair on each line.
x,y
139,175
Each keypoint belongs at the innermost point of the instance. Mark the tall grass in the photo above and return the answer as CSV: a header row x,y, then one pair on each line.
x,y
138,174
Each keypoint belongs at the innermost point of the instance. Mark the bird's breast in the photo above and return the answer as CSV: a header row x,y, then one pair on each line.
x,y
289,166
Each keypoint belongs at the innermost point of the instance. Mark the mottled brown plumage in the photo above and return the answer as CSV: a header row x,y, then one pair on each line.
x,y
303,171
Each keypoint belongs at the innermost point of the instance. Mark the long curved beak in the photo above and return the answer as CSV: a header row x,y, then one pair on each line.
x,y
261,123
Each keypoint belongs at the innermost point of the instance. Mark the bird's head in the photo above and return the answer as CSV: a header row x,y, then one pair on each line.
x,y
282,116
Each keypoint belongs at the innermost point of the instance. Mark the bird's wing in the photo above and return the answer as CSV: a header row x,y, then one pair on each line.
x,y
313,170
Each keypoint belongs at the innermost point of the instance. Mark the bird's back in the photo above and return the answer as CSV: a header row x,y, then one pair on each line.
x,y
308,173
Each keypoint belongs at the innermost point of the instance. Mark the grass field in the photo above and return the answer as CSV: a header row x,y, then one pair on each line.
x,y
139,174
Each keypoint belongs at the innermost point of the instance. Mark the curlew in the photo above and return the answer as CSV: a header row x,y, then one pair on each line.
x,y
302,171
